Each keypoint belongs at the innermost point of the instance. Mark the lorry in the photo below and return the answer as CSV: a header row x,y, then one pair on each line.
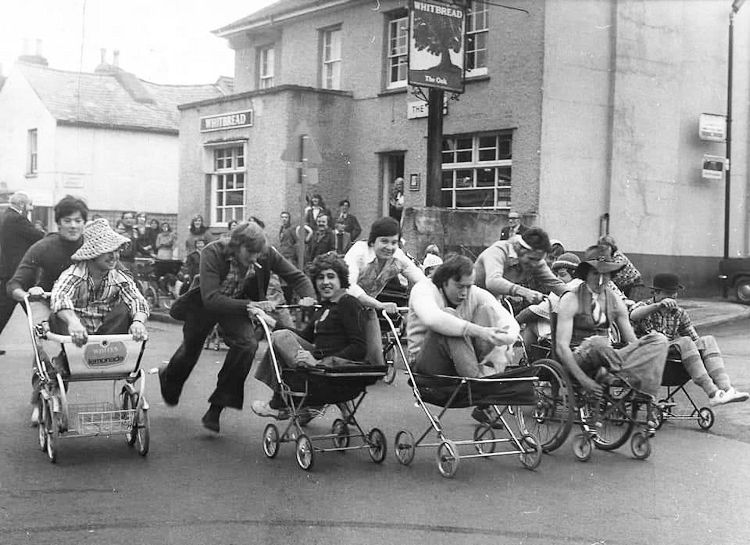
x,y
734,273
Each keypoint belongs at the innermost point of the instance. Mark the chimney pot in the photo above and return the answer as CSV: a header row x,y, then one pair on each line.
x,y
103,55
116,58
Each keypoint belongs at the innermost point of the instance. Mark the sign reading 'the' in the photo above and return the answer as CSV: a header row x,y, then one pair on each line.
x,y
232,120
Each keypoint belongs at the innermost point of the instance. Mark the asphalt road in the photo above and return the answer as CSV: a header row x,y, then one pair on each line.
x,y
195,487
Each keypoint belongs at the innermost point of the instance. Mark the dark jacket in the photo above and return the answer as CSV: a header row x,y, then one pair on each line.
x,y
351,226
505,231
17,234
214,267
43,262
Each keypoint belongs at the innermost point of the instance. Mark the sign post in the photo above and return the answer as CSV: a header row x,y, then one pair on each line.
x,y
436,60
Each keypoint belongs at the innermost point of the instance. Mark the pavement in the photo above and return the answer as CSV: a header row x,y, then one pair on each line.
x,y
705,313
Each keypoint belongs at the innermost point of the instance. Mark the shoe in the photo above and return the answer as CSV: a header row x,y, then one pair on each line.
x,y
719,398
733,396
307,414
170,399
481,416
35,416
262,408
211,419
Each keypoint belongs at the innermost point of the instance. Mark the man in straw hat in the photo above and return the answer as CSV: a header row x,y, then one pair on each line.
x,y
517,269
94,295
700,355
585,315
234,275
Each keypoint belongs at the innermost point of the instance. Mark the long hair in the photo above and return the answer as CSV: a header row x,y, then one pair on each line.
x,y
455,266
329,260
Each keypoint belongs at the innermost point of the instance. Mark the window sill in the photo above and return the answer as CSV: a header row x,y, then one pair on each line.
x,y
396,91
31,175
474,79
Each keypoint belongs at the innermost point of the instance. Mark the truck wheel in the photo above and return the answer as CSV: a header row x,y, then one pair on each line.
x,y
742,289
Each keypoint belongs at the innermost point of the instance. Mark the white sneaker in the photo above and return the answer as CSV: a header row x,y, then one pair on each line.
x,y
733,396
35,416
719,398
262,408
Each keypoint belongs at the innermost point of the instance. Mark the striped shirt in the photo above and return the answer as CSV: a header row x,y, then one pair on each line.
x,y
75,291
672,323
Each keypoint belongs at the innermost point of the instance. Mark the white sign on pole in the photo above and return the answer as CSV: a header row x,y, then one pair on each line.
x,y
713,167
712,127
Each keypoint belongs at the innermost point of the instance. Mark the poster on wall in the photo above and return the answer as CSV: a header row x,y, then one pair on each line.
x,y
436,45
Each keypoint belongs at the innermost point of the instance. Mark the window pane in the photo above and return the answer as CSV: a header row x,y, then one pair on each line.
x,y
464,178
234,198
503,176
463,157
447,199
475,198
486,177
505,147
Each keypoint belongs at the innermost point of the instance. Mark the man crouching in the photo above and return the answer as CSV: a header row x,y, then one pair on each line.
x,y
95,297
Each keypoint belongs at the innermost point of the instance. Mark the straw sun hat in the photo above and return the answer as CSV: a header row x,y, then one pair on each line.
x,y
98,238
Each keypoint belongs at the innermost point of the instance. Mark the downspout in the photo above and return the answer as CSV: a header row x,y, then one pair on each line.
x,y
604,218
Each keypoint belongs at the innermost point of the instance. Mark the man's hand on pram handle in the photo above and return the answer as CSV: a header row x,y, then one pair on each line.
x,y
77,332
307,302
260,314
592,387
138,330
265,306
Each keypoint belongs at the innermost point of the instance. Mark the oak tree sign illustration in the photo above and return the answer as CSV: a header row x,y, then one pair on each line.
x,y
436,45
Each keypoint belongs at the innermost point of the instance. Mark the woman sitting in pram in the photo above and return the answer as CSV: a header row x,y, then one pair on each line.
x,y
335,336
582,336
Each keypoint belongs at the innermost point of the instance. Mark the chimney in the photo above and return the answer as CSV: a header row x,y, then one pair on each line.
x,y
116,58
30,58
102,56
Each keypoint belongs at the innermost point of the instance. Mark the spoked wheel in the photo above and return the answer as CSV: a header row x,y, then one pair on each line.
x,y
389,356
341,431
130,402
484,432
378,445
42,426
142,432
640,446
151,297
271,441
532,455
305,453
447,458
616,424
404,447
52,434
705,418
582,447
551,419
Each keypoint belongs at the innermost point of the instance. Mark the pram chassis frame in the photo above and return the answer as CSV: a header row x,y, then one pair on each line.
x,y
525,444
92,419
374,441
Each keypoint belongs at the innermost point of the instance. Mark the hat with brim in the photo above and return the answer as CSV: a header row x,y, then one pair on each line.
x,y
431,260
600,258
98,239
667,282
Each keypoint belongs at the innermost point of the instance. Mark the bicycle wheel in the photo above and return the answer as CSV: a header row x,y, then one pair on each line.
x,y
551,419
616,423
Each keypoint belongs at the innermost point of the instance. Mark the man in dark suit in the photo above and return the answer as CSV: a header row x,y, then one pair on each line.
x,y
351,224
514,227
17,233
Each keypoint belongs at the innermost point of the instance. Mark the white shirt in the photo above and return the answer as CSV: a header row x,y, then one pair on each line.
x,y
362,254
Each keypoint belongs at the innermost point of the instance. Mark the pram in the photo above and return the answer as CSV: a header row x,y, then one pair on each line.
x,y
104,358
502,394
390,353
305,390
675,378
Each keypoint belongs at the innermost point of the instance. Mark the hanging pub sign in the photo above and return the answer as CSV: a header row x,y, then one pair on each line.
x,y
436,45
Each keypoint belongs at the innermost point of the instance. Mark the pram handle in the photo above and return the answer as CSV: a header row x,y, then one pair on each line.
x,y
91,338
296,306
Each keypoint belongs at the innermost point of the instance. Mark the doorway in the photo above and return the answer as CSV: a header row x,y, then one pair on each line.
x,y
392,167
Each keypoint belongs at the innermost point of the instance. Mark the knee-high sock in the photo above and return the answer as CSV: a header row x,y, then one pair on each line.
x,y
693,363
714,362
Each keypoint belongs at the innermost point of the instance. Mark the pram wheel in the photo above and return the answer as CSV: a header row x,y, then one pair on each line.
x,y
640,446
305,453
390,370
130,401
341,431
378,445
705,418
271,441
616,424
404,447
532,455
50,429
447,458
582,447
553,415
142,433
482,433
41,428
658,416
